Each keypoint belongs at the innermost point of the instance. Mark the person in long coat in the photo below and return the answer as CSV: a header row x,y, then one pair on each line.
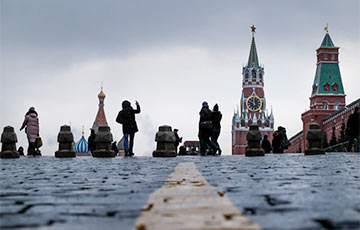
x,y
280,141
216,118
126,117
31,125
205,129
265,144
352,129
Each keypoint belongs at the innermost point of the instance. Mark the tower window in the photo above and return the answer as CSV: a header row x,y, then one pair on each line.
x,y
325,105
246,74
260,76
335,87
326,87
336,105
253,73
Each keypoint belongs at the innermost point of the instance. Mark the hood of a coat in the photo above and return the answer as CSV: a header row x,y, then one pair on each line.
x,y
126,104
32,115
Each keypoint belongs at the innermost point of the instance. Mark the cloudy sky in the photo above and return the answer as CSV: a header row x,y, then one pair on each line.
x,y
169,55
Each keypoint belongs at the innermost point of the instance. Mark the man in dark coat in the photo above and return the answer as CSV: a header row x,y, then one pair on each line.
x,y
178,139
265,144
280,141
126,117
216,118
205,129
352,129
91,141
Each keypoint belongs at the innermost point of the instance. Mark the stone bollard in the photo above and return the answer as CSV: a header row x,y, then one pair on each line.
x,y
165,139
254,138
8,140
65,139
314,137
103,140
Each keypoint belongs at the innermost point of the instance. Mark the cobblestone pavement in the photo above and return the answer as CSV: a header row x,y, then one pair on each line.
x,y
276,191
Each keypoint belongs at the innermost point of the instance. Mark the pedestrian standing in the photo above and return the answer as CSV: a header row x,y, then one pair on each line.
x,y
126,117
205,129
266,145
178,139
352,130
280,141
31,125
91,141
216,118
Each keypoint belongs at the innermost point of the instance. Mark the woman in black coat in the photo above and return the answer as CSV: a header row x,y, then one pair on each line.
x,y
216,118
126,117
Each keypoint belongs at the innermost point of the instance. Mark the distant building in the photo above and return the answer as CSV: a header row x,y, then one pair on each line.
x,y
252,103
100,119
327,102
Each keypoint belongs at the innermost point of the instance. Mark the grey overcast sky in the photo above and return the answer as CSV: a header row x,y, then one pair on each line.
x,y
169,55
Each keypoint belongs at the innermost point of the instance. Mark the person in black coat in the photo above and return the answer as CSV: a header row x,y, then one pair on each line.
x,y
91,141
126,117
216,118
280,141
266,145
352,129
205,129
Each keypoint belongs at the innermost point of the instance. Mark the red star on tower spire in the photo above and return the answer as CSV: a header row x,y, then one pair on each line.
x,y
253,28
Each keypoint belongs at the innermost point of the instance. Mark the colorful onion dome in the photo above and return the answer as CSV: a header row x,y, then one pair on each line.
x,y
81,146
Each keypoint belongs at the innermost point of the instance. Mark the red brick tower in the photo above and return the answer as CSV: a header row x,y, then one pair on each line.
x,y
252,103
327,91
100,119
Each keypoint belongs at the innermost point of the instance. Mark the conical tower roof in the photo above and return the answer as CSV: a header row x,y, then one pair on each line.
x,y
327,42
253,57
100,119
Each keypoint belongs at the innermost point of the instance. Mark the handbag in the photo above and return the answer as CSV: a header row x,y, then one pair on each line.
x,y
38,142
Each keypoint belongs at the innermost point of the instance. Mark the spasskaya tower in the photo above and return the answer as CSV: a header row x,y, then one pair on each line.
x,y
252,103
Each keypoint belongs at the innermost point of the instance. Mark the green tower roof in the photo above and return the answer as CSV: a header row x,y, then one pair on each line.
x,y
253,58
327,75
327,42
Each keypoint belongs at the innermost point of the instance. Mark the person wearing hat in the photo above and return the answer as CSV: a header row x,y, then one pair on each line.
x,y
206,129
31,125
178,139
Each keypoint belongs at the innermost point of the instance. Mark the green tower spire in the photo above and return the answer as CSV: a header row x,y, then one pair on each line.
x,y
253,57
327,79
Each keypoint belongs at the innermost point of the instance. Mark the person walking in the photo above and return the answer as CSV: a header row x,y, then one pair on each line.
x,y
178,139
126,117
205,129
266,145
352,130
216,118
31,125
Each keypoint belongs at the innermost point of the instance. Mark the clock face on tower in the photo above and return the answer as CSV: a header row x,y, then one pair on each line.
x,y
253,103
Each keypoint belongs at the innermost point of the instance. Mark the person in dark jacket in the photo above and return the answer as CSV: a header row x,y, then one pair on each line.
x,y
205,129
178,139
91,141
266,145
352,130
126,117
280,141
216,118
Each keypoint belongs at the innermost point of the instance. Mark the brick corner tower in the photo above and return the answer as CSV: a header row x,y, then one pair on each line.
x,y
100,119
252,103
328,94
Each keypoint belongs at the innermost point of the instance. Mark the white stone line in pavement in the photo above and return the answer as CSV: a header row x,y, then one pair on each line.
x,y
187,201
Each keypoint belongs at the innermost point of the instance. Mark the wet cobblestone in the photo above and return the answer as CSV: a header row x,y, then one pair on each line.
x,y
276,191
